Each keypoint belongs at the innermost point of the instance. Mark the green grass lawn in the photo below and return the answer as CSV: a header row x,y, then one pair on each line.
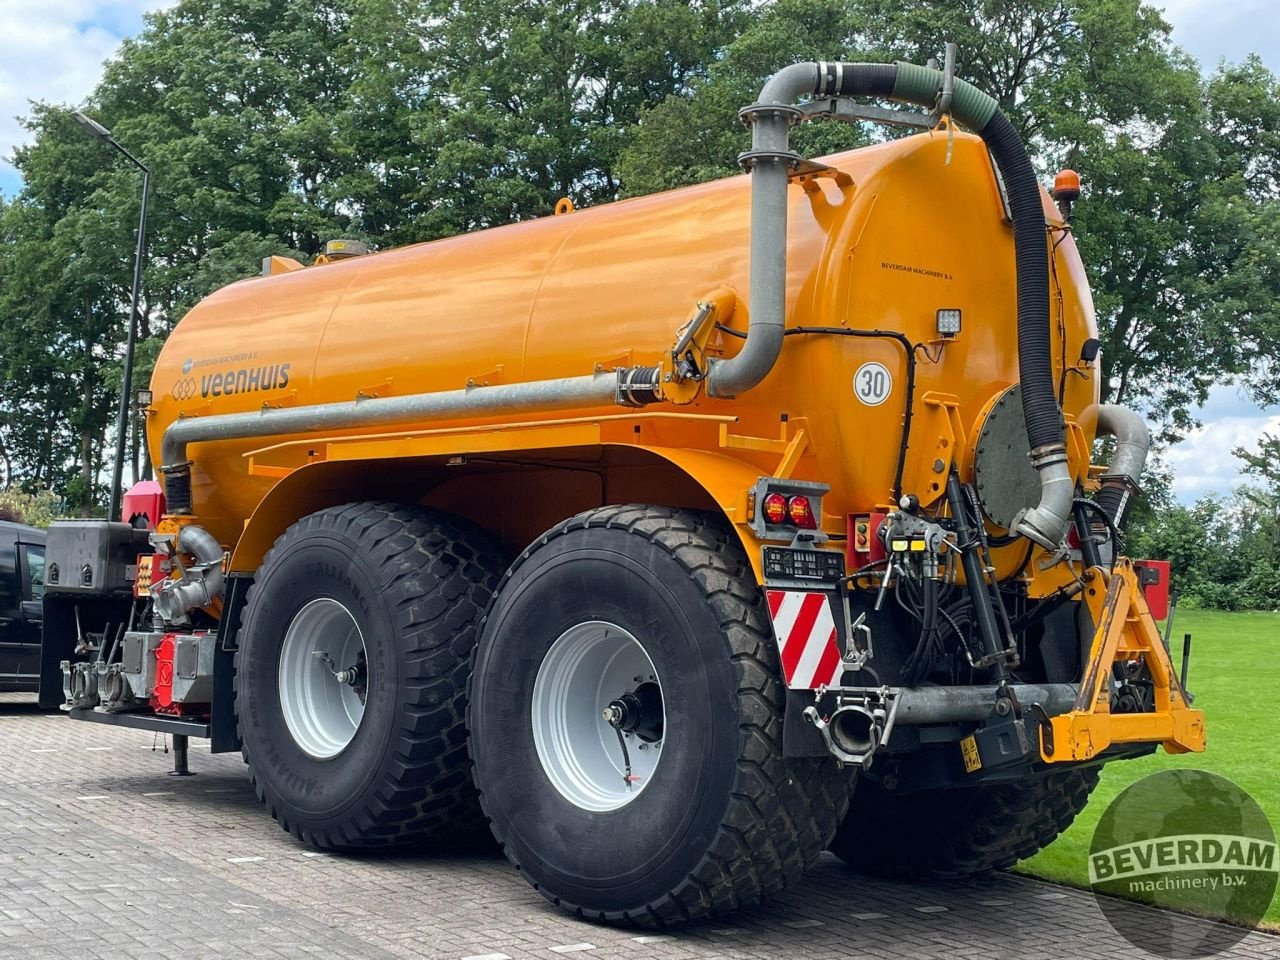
x,y
1235,677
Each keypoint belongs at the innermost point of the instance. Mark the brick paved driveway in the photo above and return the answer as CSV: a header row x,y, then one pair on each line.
x,y
102,854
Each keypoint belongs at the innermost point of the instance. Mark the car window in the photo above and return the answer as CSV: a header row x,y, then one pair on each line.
x,y
33,572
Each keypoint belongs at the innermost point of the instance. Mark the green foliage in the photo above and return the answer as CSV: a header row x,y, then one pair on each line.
x,y
1224,552
695,136
34,509
533,101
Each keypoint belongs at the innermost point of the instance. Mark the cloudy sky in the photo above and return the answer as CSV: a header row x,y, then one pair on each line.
x,y
53,50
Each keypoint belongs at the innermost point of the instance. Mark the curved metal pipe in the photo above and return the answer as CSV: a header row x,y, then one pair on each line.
x,y
1133,440
1046,523
176,598
1122,481
771,161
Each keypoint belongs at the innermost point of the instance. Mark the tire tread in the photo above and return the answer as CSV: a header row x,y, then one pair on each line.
x,y
764,842
946,834
429,792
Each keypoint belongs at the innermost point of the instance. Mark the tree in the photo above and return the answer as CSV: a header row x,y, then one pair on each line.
x,y
59,318
1224,551
694,135
1265,463
34,509
1264,466
534,101
227,103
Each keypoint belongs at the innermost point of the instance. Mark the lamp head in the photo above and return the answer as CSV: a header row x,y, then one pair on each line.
x,y
91,126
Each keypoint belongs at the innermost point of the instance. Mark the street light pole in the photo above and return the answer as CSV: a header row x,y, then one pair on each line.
x,y
97,130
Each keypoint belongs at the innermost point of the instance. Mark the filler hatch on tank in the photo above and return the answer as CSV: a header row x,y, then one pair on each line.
x,y
336,250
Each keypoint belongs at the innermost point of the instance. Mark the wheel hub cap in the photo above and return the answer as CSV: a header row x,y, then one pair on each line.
x,y
323,678
598,716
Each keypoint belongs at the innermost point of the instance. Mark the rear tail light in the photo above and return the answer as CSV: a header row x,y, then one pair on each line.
x,y
775,508
785,509
800,512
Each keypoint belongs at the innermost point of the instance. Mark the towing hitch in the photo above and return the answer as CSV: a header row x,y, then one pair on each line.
x,y
1126,635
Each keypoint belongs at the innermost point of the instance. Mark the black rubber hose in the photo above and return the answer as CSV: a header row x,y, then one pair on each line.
x,y
867,80
1114,499
1035,367
177,488
975,576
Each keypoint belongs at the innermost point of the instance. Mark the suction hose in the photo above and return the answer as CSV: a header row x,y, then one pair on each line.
x,y
770,161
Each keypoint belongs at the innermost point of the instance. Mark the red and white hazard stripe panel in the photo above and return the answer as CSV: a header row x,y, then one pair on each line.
x,y
806,634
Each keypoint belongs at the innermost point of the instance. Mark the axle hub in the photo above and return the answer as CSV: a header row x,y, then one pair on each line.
x,y
638,712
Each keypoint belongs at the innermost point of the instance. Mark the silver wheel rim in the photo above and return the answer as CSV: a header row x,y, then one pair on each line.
x,y
588,667
323,710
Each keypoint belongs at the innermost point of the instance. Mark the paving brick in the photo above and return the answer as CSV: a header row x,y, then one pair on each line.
x,y
102,854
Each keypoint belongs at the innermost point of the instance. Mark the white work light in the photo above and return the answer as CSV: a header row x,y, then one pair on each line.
x,y
948,322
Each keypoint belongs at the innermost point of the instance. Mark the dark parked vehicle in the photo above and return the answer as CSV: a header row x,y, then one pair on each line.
x,y
21,595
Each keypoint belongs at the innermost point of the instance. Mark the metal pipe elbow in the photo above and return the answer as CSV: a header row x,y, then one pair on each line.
x,y
174,599
789,83
1133,440
768,162
1046,524
200,543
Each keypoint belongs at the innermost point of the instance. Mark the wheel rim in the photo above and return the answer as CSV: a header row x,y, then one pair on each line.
x,y
589,668
323,678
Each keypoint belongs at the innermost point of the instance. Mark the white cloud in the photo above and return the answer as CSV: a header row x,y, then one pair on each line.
x,y
1203,462
54,50
1212,30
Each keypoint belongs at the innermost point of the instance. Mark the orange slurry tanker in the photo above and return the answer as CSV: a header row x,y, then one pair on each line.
x,y
675,540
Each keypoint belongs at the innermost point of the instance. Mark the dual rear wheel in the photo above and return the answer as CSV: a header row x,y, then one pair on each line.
x,y
610,705
350,681
625,716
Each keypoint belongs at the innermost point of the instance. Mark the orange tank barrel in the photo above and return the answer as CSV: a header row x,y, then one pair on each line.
x,y
612,287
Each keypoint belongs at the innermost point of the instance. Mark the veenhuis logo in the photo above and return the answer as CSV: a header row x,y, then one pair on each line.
x,y
245,380
1187,841
235,376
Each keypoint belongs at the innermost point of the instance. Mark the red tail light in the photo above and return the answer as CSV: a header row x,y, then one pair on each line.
x,y
801,512
775,508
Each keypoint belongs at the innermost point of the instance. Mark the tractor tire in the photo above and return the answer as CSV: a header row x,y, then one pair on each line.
x,y
713,817
400,589
944,834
